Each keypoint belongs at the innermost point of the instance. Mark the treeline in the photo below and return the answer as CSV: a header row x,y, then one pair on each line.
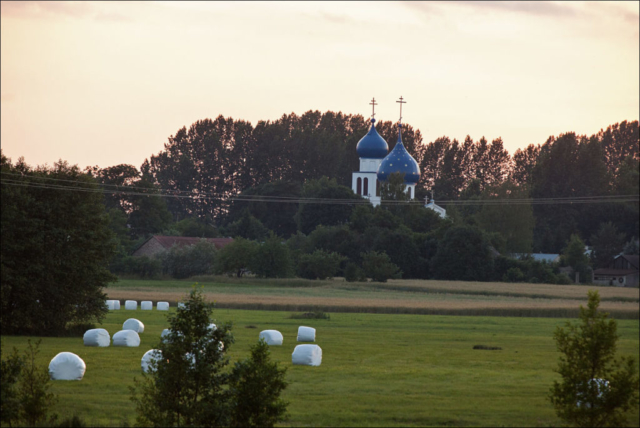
x,y
201,168
377,243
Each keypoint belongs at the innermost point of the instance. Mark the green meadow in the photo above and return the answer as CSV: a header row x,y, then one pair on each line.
x,y
377,369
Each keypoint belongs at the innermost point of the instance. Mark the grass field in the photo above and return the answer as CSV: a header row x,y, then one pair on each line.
x,y
377,369
396,296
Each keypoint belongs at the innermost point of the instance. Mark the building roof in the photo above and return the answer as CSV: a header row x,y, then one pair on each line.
x,y
182,241
399,161
372,145
618,272
540,257
633,260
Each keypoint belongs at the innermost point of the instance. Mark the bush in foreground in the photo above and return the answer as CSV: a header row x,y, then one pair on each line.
x,y
596,390
26,399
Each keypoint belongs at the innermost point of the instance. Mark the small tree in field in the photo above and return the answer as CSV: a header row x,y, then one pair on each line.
x,y
256,384
596,390
189,386
186,386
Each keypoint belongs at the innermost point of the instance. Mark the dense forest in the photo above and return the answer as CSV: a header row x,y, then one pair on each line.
x,y
206,165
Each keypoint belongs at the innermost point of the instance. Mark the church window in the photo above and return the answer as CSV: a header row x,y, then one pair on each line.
x,y
359,186
365,190
409,192
377,188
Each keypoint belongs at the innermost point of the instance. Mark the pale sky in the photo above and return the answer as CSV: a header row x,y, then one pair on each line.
x,y
107,83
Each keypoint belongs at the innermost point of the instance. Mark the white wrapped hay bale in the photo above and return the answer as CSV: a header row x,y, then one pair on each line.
x,y
96,337
148,357
272,337
128,338
146,305
131,305
600,385
133,324
67,366
213,327
307,355
181,305
165,334
306,334
116,305
163,306
110,304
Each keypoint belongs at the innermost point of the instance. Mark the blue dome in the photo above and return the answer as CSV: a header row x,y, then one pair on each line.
x,y
399,160
372,145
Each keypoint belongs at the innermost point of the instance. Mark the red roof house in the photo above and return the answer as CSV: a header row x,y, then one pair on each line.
x,y
159,243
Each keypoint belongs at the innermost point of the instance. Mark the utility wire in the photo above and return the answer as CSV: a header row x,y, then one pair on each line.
x,y
273,199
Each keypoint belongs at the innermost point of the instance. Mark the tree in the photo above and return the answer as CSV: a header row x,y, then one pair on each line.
x,y
190,260
378,266
319,265
186,387
606,243
310,215
255,385
271,259
56,246
353,273
574,256
247,227
596,390
235,257
463,254
195,227
513,221
276,216
149,213
189,386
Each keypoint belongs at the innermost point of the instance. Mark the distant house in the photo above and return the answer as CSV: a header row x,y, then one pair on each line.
x,y
622,272
539,257
158,244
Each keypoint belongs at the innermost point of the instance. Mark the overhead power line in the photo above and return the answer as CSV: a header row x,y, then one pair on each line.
x,y
203,196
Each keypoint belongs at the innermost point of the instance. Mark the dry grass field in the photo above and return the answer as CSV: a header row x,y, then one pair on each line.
x,y
396,296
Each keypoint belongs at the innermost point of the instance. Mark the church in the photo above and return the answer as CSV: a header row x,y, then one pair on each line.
x,y
376,164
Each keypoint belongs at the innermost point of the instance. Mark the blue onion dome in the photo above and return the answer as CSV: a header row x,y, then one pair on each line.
x,y
399,160
372,145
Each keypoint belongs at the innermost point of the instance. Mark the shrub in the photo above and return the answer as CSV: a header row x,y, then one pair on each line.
x,y
378,266
319,265
235,257
271,259
256,384
187,261
596,389
463,254
25,389
353,273
563,279
513,275
143,267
